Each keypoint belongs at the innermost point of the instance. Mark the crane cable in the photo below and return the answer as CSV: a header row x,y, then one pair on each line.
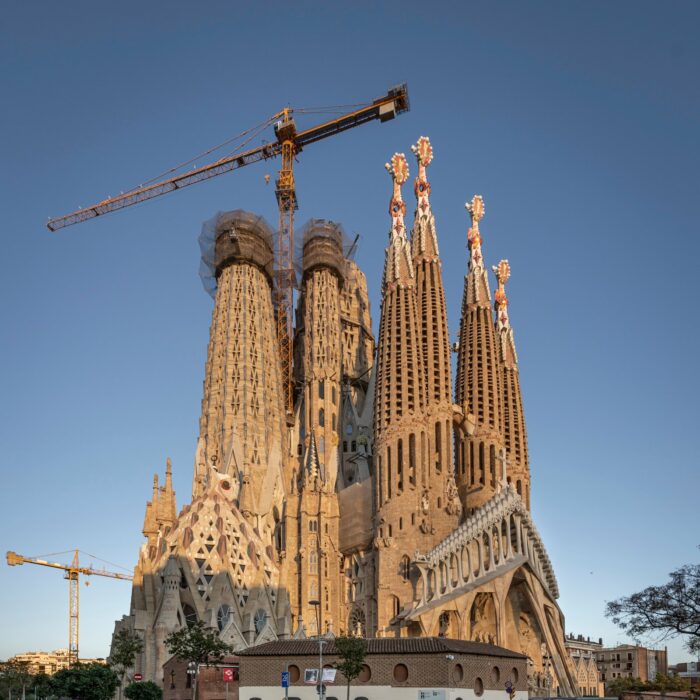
x,y
256,129
72,551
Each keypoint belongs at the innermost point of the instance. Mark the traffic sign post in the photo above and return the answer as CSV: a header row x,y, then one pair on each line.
x,y
138,677
285,681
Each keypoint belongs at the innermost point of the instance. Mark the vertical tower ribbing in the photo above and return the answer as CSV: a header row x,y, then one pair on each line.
x,y
435,348
242,421
399,429
318,371
513,418
478,387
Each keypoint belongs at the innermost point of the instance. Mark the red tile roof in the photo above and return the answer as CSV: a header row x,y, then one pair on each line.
x,y
386,645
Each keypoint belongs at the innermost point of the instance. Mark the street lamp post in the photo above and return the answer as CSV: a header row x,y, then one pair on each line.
x,y
317,605
449,658
192,673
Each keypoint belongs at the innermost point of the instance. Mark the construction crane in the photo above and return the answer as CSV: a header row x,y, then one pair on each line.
x,y
72,573
289,143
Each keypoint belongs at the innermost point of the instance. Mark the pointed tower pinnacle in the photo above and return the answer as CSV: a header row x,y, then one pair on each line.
x,y
402,518
513,418
398,269
478,389
150,520
435,347
167,511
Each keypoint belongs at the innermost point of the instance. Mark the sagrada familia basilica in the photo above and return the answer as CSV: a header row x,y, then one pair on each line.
x,y
391,501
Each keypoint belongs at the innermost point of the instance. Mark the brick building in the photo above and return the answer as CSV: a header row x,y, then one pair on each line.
x,y
212,681
394,669
631,661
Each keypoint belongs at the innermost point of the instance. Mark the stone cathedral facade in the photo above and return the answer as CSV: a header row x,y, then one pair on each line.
x,y
390,501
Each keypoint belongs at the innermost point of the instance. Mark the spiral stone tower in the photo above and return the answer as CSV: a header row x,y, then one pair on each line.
x,y
312,507
517,466
438,476
242,419
478,388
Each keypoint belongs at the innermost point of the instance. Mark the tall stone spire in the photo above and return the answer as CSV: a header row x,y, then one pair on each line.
x,y
167,511
150,520
435,347
312,511
242,433
430,294
513,418
399,388
402,516
478,389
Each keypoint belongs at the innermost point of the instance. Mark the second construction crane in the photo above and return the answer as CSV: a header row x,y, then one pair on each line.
x,y
73,571
289,144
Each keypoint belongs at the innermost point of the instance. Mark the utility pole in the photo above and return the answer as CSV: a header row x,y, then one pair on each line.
x,y
317,605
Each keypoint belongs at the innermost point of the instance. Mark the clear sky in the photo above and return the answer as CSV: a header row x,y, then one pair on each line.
x,y
577,122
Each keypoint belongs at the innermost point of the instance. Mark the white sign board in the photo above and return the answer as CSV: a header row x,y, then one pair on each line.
x,y
432,694
329,675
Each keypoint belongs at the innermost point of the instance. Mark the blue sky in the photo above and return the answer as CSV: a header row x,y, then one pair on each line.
x,y
577,122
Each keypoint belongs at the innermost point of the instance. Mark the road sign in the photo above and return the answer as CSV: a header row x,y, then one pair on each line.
x,y
138,677
228,675
321,688
285,679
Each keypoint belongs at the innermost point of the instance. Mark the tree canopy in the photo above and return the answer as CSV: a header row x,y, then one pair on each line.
x,y
143,690
85,682
668,610
125,646
14,675
197,643
661,683
352,651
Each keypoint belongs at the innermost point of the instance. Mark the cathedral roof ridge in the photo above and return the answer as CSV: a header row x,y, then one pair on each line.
x,y
482,520
383,645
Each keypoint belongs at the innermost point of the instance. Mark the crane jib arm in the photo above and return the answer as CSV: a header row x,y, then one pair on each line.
x,y
384,108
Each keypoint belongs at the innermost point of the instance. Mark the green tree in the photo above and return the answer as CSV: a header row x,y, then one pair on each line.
x,y
668,684
15,675
41,685
617,686
143,690
85,682
661,683
352,652
668,610
197,643
125,646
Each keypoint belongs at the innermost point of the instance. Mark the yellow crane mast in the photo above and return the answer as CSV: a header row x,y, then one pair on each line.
x,y
288,145
72,573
